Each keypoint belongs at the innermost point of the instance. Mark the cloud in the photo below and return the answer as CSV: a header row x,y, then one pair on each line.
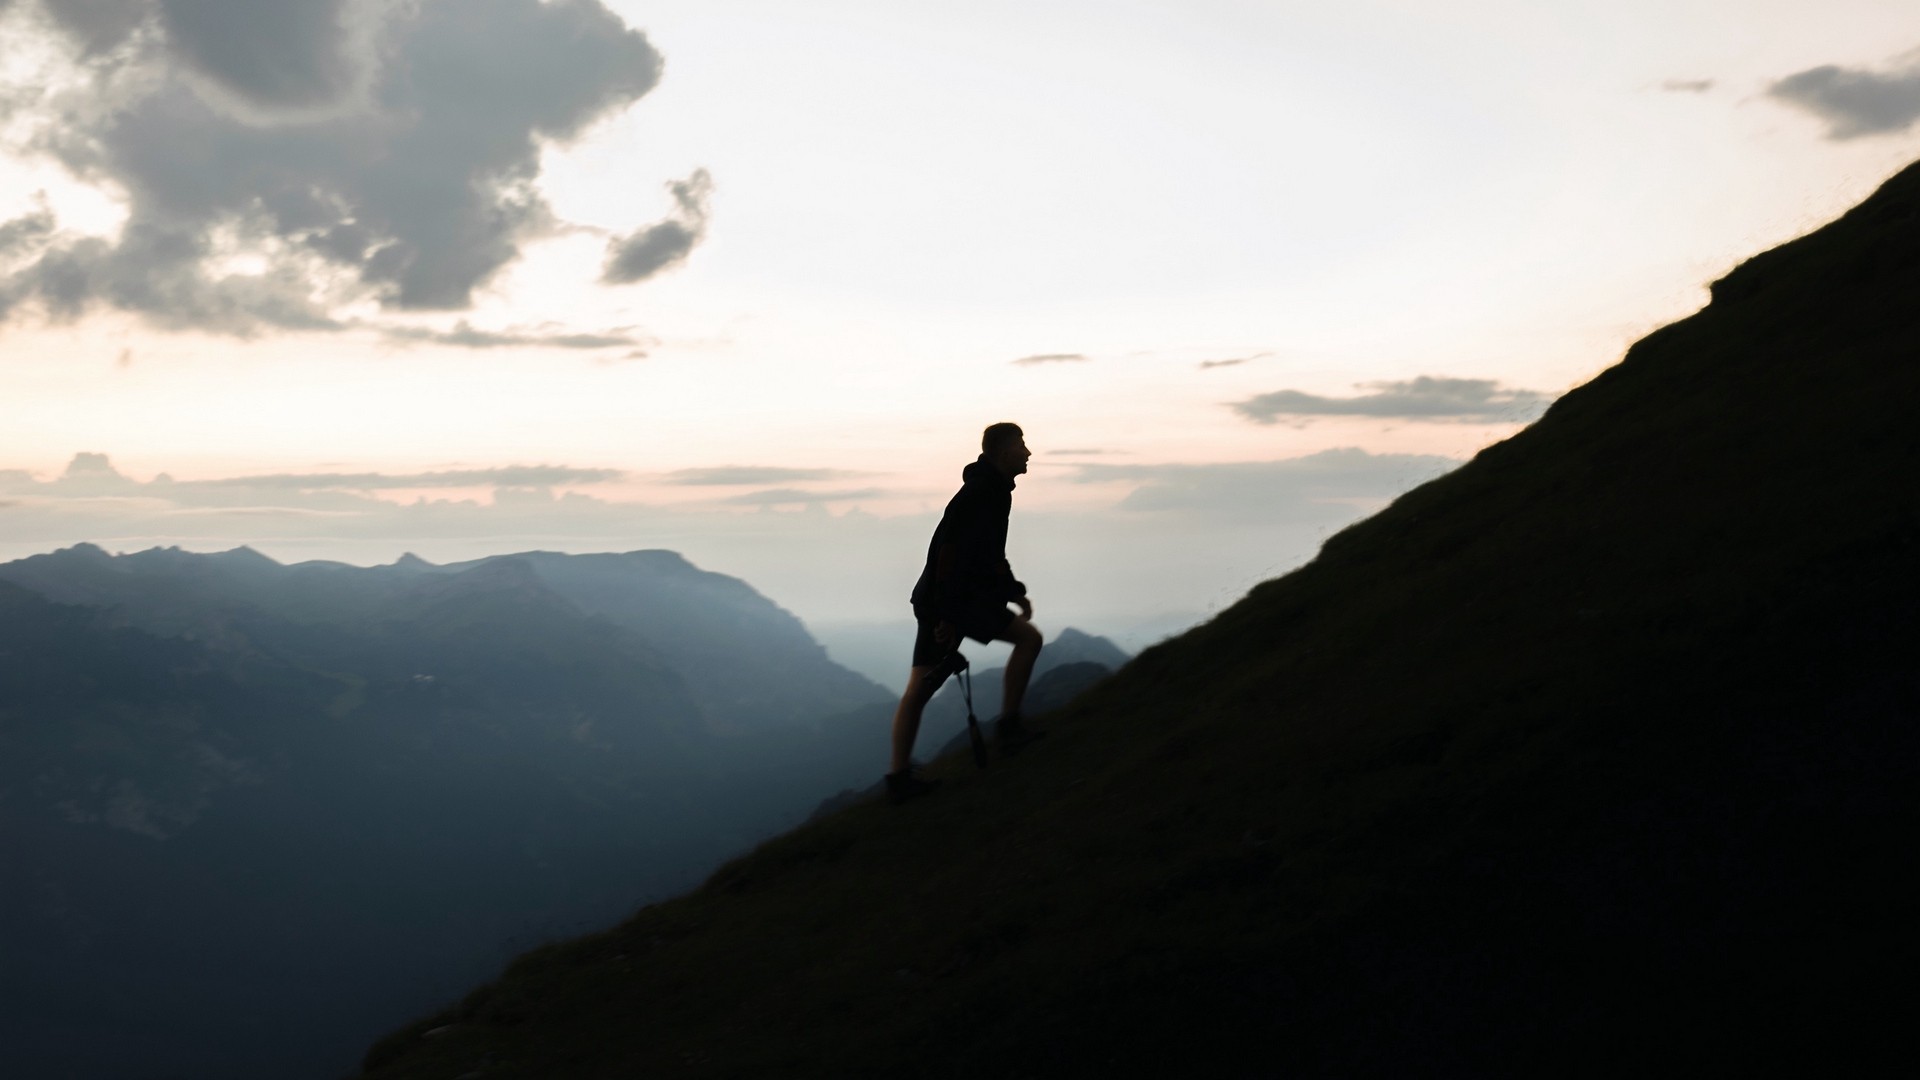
x,y
87,474
28,231
271,54
794,496
1427,397
1332,484
465,336
665,243
1854,102
96,25
1233,361
161,274
1687,86
749,475
519,476
1053,358
94,474
283,158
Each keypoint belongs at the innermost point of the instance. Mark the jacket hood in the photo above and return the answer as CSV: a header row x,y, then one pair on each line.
x,y
983,472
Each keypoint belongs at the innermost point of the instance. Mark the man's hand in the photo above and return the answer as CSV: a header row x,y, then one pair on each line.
x,y
1026,608
943,633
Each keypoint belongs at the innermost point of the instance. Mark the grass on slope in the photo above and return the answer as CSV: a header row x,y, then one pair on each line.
x,y
1595,753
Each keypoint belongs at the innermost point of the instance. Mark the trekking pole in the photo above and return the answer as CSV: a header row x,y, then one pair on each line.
x,y
973,723
955,663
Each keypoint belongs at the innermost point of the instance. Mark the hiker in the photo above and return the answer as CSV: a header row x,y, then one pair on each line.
x,y
964,591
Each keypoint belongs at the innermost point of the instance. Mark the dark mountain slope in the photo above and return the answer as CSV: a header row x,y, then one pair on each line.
x,y
1597,755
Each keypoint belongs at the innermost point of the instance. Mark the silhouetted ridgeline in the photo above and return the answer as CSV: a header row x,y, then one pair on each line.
x,y
252,813
1596,756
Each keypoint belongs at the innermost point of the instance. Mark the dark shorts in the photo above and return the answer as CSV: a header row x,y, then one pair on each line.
x,y
982,624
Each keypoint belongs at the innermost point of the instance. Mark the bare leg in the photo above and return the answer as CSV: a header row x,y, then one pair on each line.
x,y
906,718
1026,649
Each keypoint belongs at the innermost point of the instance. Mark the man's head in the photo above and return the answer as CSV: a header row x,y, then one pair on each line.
x,y
1005,448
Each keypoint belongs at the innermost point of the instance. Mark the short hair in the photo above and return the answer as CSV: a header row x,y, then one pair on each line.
x,y
999,435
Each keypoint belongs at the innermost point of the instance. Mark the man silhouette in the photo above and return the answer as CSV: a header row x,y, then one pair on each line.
x,y
964,591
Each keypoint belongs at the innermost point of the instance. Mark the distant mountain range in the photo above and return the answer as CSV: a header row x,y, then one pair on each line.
x,y
253,812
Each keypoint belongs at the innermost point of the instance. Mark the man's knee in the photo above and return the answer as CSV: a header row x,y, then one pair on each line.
x,y
920,688
1025,635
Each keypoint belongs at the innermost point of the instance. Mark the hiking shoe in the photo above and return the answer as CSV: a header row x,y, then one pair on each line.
x,y
907,784
1012,732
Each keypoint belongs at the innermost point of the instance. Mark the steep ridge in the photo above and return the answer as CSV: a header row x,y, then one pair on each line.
x,y
1598,754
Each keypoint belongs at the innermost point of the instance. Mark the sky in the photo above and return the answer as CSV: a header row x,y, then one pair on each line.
x,y
745,279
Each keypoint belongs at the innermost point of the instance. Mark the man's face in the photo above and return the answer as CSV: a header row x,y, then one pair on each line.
x,y
1012,459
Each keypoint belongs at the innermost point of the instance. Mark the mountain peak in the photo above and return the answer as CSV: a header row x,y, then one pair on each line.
x,y
1076,646
660,559
245,555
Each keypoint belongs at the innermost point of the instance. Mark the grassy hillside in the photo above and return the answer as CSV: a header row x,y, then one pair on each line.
x,y
1598,753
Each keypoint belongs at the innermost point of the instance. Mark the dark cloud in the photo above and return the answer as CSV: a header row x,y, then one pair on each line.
x,y
1425,398
1687,86
665,243
1854,102
274,53
749,475
466,336
28,232
97,25
161,273
1332,484
795,496
360,148
1053,358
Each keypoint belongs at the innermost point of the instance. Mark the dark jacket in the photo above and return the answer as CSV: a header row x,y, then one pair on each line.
x,y
967,560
